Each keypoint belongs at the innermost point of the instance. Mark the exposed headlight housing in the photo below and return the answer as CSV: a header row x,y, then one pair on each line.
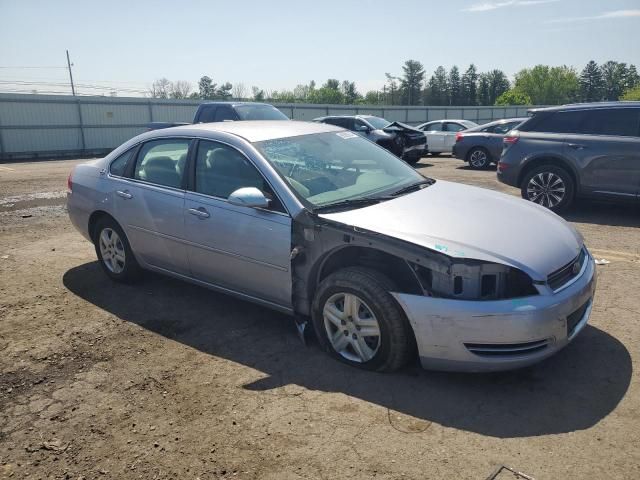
x,y
474,280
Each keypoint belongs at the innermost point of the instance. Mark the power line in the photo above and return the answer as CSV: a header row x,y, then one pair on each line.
x,y
21,68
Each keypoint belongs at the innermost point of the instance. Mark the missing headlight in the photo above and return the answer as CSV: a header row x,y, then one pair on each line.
x,y
474,281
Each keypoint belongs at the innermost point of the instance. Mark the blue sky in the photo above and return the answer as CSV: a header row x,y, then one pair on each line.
x,y
278,44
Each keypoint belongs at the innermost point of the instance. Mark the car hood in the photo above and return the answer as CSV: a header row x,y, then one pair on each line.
x,y
400,127
470,222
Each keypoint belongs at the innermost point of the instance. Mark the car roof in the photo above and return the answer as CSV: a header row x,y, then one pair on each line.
x,y
255,130
499,122
233,104
586,106
345,116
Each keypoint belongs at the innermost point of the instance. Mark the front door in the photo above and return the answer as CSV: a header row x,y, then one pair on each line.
x,y
435,137
243,249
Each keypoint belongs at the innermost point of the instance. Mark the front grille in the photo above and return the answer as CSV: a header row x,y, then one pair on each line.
x,y
567,273
574,318
507,349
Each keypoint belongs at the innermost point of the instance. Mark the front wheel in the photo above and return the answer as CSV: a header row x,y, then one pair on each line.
x,y
549,186
358,321
479,158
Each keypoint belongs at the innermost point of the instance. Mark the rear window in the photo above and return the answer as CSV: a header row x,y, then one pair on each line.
x,y
259,112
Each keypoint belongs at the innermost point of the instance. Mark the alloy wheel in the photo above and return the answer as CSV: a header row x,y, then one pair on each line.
x,y
478,159
546,189
351,326
112,250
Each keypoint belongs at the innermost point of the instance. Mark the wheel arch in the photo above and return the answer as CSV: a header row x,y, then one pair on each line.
x,y
478,147
549,159
94,218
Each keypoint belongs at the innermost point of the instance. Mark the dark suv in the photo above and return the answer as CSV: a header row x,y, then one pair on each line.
x,y
583,150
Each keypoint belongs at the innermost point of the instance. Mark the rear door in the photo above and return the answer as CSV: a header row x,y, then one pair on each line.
x,y
242,249
450,129
435,136
606,149
150,204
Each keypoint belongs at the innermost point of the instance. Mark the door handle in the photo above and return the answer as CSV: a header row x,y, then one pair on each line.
x,y
124,194
577,146
199,212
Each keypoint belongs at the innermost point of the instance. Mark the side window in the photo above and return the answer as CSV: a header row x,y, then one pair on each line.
x,y
433,127
162,162
349,123
503,128
623,122
221,170
359,125
453,127
560,122
119,165
224,113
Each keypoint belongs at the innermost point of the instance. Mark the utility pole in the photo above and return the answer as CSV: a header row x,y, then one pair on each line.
x,y
73,88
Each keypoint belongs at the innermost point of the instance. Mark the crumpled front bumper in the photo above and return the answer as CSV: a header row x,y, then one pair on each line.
x,y
463,335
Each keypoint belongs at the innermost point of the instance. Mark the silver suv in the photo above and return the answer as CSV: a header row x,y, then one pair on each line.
x,y
583,150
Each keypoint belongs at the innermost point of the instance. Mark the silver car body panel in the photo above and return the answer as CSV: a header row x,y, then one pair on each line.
x,y
470,222
442,327
249,252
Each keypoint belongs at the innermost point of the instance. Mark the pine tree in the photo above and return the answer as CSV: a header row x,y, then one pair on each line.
x,y
438,88
469,86
483,90
613,75
591,83
455,87
411,82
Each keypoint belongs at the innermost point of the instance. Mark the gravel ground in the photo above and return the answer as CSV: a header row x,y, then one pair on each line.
x,y
168,380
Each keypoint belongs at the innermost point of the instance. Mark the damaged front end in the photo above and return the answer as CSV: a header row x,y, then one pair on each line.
x,y
407,141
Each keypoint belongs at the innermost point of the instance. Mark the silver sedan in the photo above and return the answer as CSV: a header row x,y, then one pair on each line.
x,y
322,224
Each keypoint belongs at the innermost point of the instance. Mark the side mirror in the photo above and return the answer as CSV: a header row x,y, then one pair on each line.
x,y
362,128
248,197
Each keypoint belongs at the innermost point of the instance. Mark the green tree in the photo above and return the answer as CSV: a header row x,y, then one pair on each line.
x,y
591,83
258,94
455,86
632,79
332,84
614,75
206,88
469,86
326,94
513,97
548,85
224,91
483,89
438,88
411,82
392,88
373,97
632,94
498,84
350,92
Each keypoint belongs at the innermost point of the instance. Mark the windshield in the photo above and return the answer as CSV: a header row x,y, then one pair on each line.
x,y
259,112
377,122
331,167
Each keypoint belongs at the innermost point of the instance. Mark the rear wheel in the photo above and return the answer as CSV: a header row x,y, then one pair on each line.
x,y
114,253
549,186
478,158
358,321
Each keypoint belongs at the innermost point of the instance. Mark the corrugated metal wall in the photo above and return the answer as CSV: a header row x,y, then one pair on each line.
x,y
54,125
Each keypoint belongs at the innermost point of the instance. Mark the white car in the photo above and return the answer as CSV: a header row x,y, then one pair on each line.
x,y
441,134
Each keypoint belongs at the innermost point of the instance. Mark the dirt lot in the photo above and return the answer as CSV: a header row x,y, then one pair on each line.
x,y
168,380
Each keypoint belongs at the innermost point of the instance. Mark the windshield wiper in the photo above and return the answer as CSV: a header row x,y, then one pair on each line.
x,y
413,187
351,203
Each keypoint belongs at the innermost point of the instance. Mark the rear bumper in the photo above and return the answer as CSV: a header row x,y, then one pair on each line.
x,y
497,335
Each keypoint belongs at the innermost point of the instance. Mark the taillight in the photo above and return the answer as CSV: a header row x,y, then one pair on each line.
x,y
70,182
459,136
502,166
510,140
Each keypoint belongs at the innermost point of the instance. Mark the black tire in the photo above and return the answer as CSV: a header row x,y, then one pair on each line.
x,y
479,158
396,341
131,270
545,179
411,159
